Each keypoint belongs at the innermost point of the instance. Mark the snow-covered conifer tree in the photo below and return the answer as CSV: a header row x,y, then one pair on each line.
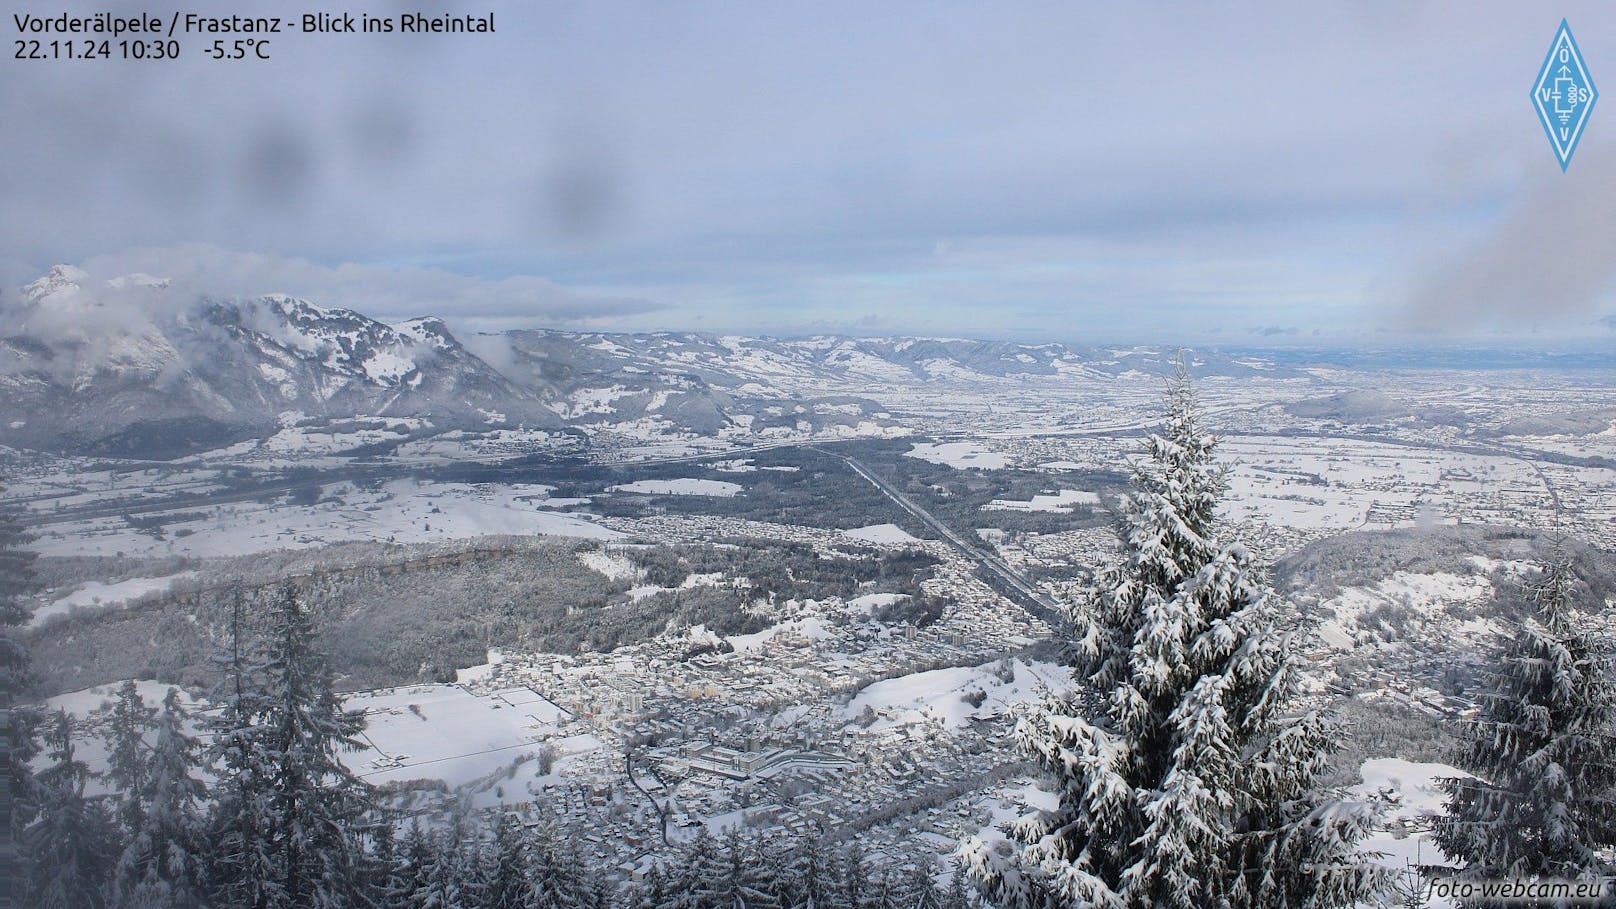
x,y
17,580
17,741
653,891
391,869
697,884
958,894
289,816
506,861
72,845
418,875
442,869
316,805
558,874
1543,747
1182,769
240,861
919,890
855,887
744,876
598,892
814,873
779,872
127,719
163,864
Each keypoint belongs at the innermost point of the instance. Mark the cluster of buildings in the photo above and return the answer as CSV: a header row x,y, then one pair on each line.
x,y
758,733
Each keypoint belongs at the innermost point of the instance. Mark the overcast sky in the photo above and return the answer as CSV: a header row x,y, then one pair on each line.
x,y
1204,173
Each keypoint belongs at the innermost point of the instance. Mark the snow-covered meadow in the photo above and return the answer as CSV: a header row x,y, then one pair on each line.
x,y
399,511
944,696
683,486
95,594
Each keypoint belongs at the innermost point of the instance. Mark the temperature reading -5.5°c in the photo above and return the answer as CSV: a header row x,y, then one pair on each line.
x,y
239,49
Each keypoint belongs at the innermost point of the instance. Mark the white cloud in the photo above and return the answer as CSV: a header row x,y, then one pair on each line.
x,y
381,292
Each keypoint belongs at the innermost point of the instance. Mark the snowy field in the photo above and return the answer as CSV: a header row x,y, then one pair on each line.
x,y
1348,483
870,602
96,594
613,565
684,486
401,511
297,445
445,732
1410,795
890,534
959,455
812,628
1061,502
939,695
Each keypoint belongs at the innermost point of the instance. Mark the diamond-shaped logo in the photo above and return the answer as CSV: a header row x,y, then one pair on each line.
x,y
1564,95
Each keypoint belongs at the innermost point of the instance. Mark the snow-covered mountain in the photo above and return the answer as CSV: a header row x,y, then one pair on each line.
x,y
130,366
116,367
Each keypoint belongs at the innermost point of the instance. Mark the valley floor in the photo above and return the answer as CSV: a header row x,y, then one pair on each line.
x,y
855,715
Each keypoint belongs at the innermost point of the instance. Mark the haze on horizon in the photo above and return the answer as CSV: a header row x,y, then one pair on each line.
x,y
1352,173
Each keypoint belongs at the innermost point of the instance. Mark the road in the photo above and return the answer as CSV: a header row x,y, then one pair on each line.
x,y
1017,586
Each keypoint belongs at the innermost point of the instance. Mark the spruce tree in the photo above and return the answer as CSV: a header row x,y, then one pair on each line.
x,y
699,879
558,876
162,867
18,744
919,890
855,888
126,722
817,883
599,893
446,872
390,869
1543,747
420,869
743,880
958,894
1183,771
17,580
780,866
72,845
653,890
886,891
506,861
290,816
240,860
316,806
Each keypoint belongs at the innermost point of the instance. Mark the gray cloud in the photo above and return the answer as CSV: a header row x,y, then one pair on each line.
x,y
1114,167
1547,261
384,292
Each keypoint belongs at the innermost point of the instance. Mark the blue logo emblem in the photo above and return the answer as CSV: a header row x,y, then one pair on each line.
x,y
1564,95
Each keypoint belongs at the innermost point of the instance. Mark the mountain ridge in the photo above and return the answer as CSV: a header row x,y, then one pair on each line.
x,y
126,367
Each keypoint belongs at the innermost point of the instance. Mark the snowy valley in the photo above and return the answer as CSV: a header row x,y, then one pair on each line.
x,y
808,586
